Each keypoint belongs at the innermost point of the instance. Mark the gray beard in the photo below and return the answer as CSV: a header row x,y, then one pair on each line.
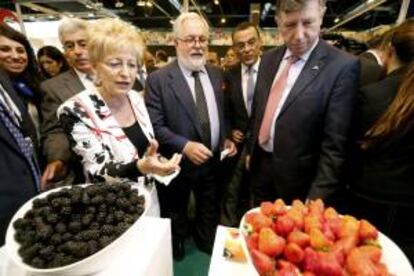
x,y
192,64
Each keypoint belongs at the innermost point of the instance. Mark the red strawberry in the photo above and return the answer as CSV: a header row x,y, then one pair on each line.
x,y
294,253
280,207
268,208
328,265
297,216
263,263
318,241
299,206
258,221
327,231
349,226
364,260
270,243
284,225
316,207
252,241
346,244
300,238
312,221
367,231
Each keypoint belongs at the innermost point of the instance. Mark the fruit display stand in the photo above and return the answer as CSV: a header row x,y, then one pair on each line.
x,y
151,245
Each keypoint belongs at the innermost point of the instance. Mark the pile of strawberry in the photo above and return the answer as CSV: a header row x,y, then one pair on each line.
x,y
311,240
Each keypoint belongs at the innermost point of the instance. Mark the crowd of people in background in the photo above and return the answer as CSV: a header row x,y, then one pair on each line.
x,y
305,120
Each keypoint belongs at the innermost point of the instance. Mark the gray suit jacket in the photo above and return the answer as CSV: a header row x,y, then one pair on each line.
x,y
312,129
56,91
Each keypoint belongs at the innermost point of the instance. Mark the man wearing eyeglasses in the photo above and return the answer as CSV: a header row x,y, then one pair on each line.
x,y
185,101
61,169
241,81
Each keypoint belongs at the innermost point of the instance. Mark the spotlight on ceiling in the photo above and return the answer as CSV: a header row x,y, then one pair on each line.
x,y
141,3
223,20
216,2
336,20
119,4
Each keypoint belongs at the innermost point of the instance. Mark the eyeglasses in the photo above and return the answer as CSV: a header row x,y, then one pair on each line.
x,y
192,40
71,45
242,45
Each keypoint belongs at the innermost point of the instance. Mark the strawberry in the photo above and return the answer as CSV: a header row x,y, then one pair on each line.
x,y
329,234
346,244
330,213
299,206
364,260
367,231
270,243
258,221
349,226
268,208
312,221
284,225
328,265
300,238
294,253
318,241
297,216
252,241
316,207
263,263
280,207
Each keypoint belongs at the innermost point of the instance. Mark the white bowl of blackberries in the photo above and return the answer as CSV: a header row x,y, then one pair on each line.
x,y
75,230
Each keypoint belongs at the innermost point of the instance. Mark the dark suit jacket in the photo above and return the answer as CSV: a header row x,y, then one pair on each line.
x,y
384,172
17,184
237,112
56,91
371,71
373,100
172,108
313,126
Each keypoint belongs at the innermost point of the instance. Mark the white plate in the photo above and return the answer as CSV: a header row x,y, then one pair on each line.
x,y
87,266
396,261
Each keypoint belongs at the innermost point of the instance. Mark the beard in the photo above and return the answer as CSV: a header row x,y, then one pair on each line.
x,y
193,62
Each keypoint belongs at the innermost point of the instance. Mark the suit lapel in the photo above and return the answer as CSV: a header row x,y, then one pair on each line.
x,y
312,68
72,85
239,89
179,87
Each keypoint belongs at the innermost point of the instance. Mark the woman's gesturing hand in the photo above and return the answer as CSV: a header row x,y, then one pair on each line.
x,y
153,163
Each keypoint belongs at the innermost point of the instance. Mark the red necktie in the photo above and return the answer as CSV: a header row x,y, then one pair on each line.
x,y
273,101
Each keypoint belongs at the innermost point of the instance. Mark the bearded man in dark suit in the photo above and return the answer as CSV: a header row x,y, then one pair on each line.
x,y
185,101
302,109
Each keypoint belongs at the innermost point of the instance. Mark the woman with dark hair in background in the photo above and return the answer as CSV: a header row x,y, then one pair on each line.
x,y
52,62
382,189
18,60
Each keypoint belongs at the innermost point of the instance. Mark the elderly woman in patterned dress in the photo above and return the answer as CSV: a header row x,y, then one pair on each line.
x,y
110,128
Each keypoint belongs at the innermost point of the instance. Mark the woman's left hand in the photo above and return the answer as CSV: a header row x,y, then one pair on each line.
x,y
153,163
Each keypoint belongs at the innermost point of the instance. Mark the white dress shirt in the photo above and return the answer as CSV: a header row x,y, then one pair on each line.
x,y
87,83
294,73
210,100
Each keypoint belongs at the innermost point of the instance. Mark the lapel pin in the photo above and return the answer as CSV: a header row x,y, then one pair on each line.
x,y
316,67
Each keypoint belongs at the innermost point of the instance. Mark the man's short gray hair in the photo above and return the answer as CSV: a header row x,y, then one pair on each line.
x,y
70,26
185,16
289,6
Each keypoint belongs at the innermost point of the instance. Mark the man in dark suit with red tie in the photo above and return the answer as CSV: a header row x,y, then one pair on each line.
x,y
302,109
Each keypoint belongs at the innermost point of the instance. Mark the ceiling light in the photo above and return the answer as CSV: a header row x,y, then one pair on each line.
x,y
149,4
119,4
370,1
141,3
336,20
91,14
223,20
216,2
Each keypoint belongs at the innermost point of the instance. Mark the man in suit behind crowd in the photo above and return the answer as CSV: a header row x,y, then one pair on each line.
x,y
302,109
60,164
185,101
241,81
19,172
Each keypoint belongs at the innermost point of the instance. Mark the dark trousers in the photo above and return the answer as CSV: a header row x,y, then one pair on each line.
x,y
237,197
394,220
205,182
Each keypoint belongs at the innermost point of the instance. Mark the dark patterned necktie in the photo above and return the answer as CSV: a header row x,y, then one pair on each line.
x,y
202,110
24,145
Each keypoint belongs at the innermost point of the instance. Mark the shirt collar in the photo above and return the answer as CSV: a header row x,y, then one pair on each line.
x,y
188,73
305,56
255,66
80,74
